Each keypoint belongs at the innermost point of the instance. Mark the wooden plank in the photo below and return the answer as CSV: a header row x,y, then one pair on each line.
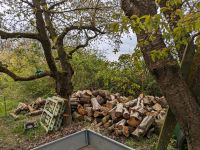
x,y
166,131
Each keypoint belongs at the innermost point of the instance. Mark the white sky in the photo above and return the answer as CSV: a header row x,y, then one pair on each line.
x,y
128,44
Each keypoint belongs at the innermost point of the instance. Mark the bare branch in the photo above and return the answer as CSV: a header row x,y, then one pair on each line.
x,y
67,29
18,78
28,3
83,45
56,4
80,9
7,35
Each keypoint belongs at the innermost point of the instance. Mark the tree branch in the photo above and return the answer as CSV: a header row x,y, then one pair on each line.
x,y
56,4
7,35
79,9
18,78
46,44
49,24
28,3
67,29
83,45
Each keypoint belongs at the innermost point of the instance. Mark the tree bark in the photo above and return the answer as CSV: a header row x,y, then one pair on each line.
x,y
64,89
167,73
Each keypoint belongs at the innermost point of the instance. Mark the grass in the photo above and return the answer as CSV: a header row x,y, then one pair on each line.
x,y
143,143
17,127
10,105
28,134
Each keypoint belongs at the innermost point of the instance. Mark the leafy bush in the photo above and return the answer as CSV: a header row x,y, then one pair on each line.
x,y
127,76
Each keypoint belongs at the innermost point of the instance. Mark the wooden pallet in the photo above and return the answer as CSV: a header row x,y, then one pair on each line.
x,y
52,116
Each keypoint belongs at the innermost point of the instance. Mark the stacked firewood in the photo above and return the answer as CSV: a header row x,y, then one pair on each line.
x,y
33,109
119,114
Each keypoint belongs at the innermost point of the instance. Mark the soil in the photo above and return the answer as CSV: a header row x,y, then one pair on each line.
x,y
8,141
74,127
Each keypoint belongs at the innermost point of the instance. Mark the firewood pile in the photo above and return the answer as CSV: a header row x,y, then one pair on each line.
x,y
33,109
118,114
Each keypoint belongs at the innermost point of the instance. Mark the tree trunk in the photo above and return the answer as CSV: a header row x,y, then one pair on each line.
x,y
64,88
167,73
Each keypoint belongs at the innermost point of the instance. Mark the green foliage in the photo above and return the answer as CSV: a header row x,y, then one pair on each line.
x,y
29,134
187,19
143,143
25,63
127,76
10,104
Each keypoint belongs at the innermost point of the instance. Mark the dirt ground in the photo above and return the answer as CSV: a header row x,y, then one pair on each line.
x,y
12,136
8,141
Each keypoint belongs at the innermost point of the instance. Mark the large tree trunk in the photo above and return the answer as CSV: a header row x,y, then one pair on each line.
x,y
167,73
64,89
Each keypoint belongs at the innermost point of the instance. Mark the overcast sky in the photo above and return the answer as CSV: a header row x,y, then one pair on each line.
x,y
106,47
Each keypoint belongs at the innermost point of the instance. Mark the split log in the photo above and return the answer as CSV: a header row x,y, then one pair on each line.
x,y
142,111
152,113
117,95
112,113
14,116
84,99
123,99
88,119
35,113
157,107
98,114
119,110
151,99
138,132
95,104
118,132
89,111
135,114
76,116
101,100
87,92
146,101
30,108
39,103
74,99
111,104
120,124
131,103
21,107
104,110
78,94
103,93
148,108
111,128
112,97
126,114
125,131
144,126
87,105
133,122
99,124
162,101
81,110
107,124
105,119
74,103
